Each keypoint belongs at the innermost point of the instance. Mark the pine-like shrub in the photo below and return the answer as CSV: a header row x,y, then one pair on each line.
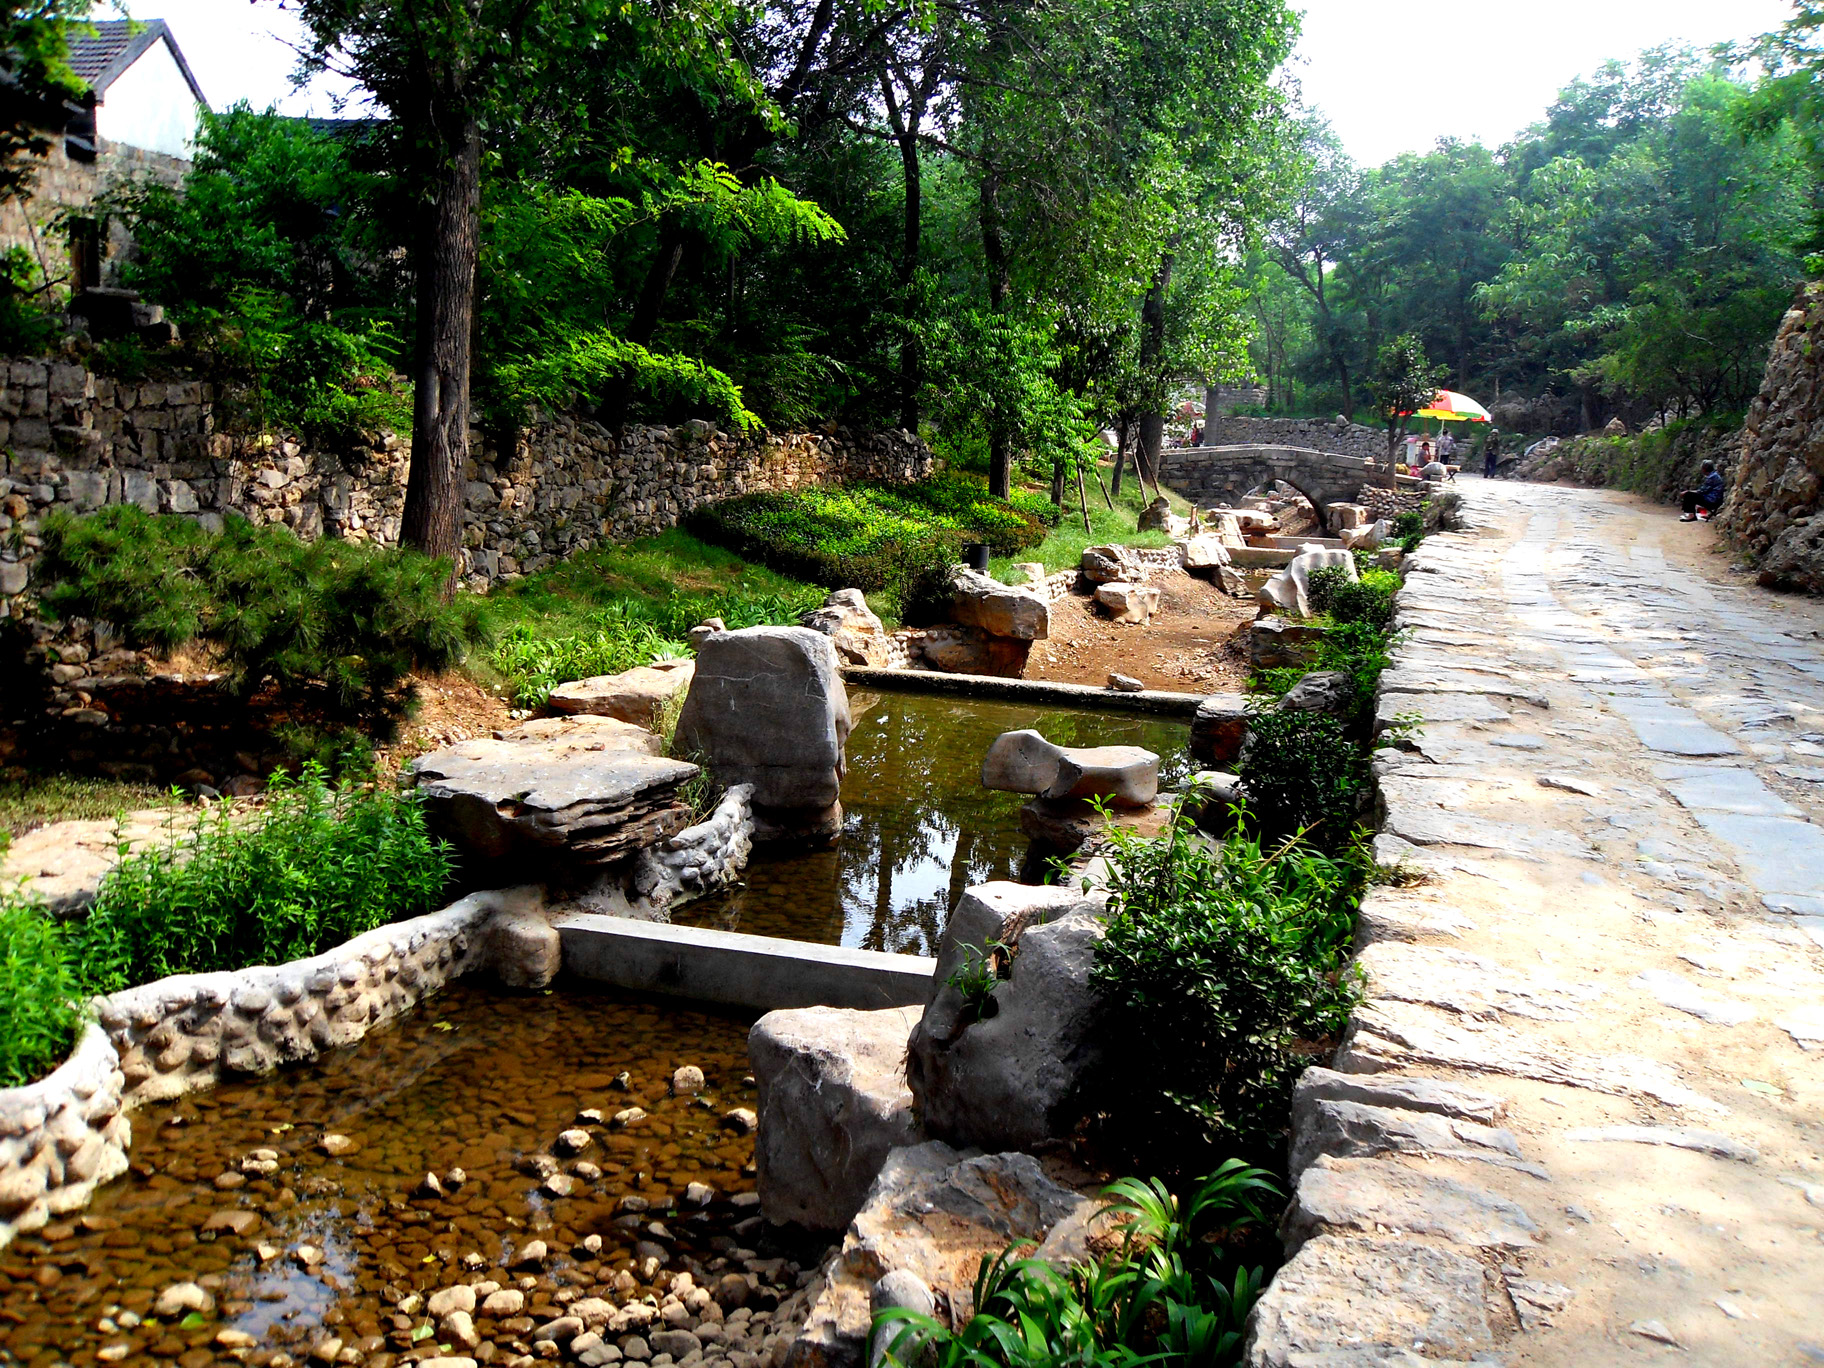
x,y
316,865
340,624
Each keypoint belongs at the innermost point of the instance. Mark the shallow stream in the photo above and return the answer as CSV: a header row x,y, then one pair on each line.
x,y
472,1079
919,827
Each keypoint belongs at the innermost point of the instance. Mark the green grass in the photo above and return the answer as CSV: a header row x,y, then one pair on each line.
x,y
40,994
1063,546
29,800
613,608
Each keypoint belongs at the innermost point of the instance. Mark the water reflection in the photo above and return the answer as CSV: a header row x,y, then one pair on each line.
x,y
920,827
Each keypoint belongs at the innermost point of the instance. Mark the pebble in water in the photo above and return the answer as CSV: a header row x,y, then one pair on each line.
x,y
349,1247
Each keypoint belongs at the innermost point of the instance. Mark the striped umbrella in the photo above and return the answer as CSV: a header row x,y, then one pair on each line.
x,y
1456,407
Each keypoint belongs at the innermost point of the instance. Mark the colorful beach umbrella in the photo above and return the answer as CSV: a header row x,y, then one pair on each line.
x,y
1455,407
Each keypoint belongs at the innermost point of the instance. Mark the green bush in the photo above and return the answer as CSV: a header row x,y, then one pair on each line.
x,y
1220,975
314,867
1304,774
41,997
339,624
897,538
1409,530
1367,599
1176,1290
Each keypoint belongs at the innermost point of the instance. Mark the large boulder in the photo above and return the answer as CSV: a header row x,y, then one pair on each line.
x,y
1321,691
563,796
1289,590
586,731
640,695
1278,643
998,609
1013,1079
1204,551
1125,602
1025,762
767,707
833,1102
852,627
953,649
1106,564
931,1217
1218,728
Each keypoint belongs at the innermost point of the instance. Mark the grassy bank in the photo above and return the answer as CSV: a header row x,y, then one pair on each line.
x,y
30,799
1064,544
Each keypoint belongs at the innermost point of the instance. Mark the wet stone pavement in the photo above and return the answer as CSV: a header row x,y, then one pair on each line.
x,y
290,1219
1579,1117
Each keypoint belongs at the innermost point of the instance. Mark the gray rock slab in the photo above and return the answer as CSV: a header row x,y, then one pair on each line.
x,y
1424,824
1435,681
1437,708
1718,788
1344,1129
1682,995
1680,1137
545,777
1409,1093
1471,985
1778,854
1366,1194
1364,1295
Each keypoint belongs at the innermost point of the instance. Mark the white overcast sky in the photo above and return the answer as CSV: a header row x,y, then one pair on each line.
x,y
1392,75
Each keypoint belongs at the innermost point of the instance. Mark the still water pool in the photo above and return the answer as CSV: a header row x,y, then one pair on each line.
x,y
919,827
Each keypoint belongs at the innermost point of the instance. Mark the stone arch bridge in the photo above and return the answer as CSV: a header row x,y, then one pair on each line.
x,y
1221,475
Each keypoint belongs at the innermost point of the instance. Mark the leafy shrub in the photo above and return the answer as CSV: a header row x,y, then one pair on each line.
x,y
29,325
1219,975
1173,1292
1409,530
899,538
1367,599
41,997
316,866
1303,773
338,623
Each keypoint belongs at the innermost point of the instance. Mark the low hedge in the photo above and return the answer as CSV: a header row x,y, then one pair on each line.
x,y
898,538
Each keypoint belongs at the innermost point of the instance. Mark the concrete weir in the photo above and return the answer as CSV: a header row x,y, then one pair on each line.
x,y
763,973
1043,692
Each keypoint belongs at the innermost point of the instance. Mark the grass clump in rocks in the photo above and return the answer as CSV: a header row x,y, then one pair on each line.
x,y
41,992
315,866
1221,976
1176,1289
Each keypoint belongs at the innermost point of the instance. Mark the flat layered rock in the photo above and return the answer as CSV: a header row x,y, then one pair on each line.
x,y
1025,762
1364,1194
1125,601
998,609
639,695
499,798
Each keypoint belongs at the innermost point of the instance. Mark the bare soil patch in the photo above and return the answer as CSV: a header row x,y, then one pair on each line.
x,y
1197,642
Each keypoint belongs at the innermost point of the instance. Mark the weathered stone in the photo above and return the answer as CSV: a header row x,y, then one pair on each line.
x,y
1105,564
586,731
1360,1294
1277,643
1025,762
501,798
1014,1079
1204,551
1064,825
1368,1193
1345,1129
954,649
1321,691
1289,590
768,708
996,608
1121,683
640,695
524,949
833,1102
852,627
1126,602
1397,1090
1219,728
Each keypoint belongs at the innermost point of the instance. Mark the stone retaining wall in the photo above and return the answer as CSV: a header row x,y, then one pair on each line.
x,y
1325,434
69,1132
77,440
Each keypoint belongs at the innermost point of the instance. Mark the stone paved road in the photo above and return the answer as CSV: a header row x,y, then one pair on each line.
x,y
1579,1117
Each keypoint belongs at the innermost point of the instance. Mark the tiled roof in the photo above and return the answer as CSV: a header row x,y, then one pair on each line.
x,y
100,57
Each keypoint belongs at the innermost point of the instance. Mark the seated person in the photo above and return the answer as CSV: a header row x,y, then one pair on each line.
x,y
1434,469
1708,496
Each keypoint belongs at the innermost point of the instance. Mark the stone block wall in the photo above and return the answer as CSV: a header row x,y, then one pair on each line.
x,y
60,183
1774,508
72,439
1320,434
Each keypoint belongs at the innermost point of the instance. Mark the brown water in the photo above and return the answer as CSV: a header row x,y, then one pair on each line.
x,y
919,826
473,1079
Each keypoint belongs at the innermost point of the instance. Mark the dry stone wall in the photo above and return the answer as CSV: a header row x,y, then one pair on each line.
x,y
75,440
69,1132
1320,434
1774,509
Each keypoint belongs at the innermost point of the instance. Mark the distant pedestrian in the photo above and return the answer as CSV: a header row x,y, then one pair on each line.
x,y
1197,435
1491,452
1447,447
1706,498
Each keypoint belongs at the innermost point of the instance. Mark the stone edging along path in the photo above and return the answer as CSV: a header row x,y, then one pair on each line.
x,y
1573,1120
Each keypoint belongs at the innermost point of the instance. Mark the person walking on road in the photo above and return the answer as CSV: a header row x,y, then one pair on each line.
x,y
1706,498
1491,452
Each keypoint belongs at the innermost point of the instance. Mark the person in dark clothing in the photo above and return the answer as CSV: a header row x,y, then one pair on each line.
x,y
1708,496
1491,452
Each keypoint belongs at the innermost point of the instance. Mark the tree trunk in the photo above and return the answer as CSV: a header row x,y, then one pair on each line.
x,y
1146,450
1120,454
994,255
448,244
1212,396
910,375
1152,351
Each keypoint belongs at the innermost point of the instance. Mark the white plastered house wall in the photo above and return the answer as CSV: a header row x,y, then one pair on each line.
x,y
150,105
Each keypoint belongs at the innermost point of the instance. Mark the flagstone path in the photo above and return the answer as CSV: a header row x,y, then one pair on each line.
x,y
1579,1116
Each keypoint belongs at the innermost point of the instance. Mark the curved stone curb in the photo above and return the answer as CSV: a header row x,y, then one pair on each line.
x,y
69,1132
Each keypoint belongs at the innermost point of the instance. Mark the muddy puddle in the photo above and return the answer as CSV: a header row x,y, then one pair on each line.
x,y
919,827
294,1238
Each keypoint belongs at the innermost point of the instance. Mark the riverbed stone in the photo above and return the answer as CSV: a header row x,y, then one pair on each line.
x,y
1015,1079
640,695
998,609
853,629
1128,602
1276,642
1025,762
1202,551
1219,728
1364,1194
499,799
833,1102
1289,590
768,708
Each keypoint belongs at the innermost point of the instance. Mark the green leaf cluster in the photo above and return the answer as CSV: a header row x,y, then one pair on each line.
x,y
1174,1291
338,624
315,865
41,992
1220,977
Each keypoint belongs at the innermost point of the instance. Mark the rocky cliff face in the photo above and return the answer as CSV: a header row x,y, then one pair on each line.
x,y
1774,509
